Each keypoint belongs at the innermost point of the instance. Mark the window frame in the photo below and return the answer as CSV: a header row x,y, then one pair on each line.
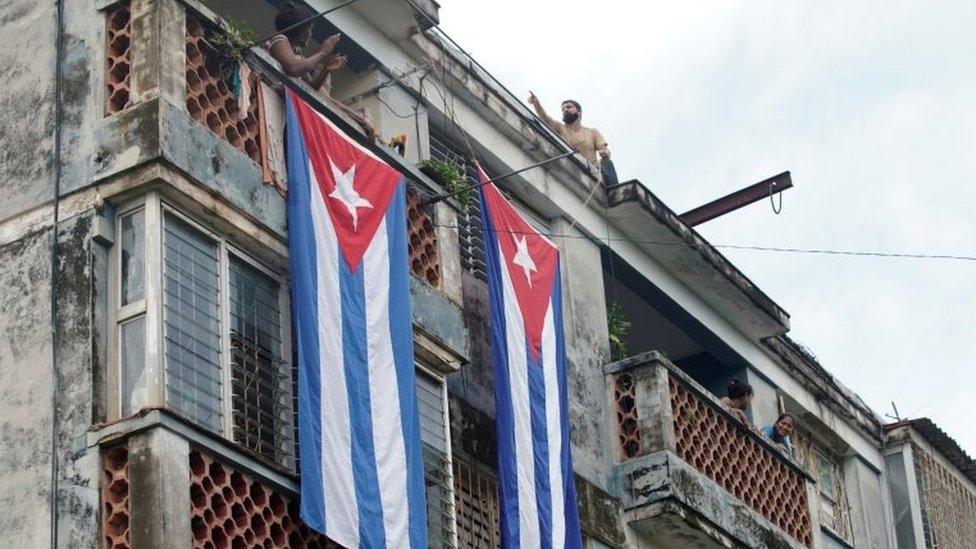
x,y
422,370
155,208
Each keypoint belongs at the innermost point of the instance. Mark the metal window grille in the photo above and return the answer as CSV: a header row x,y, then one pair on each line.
x,y
260,378
191,323
470,229
476,501
437,463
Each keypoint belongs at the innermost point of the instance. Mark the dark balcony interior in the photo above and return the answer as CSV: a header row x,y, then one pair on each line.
x,y
658,323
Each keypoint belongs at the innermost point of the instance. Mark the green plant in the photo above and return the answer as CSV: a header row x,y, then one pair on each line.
x,y
233,40
618,327
449,175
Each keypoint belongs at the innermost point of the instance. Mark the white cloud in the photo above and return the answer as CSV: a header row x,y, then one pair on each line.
x,y
869,104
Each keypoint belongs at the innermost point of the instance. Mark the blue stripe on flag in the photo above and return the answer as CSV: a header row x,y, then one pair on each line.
x,y
401,324
540,443
504,416
573,540
353,294
301,236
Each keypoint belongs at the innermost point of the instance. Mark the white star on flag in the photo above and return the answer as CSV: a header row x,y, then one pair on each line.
x,y
346,193
523,259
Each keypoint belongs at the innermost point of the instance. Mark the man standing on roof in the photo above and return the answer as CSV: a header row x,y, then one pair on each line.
x,y
586,141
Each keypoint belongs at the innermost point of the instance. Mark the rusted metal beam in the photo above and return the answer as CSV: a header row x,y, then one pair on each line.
x,y
738,199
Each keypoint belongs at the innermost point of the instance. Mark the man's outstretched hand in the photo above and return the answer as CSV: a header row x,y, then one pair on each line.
x,y
533,100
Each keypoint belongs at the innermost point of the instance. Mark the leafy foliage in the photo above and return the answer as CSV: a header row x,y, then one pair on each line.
x,y
449,175
618,327
234,41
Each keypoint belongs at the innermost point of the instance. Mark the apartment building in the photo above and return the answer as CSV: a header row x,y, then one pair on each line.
x,y
143,239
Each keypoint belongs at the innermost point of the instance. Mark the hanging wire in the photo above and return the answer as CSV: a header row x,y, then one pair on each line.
x,y
303,22
856,253
772,202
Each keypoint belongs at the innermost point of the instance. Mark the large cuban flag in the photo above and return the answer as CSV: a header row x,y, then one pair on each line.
x,y
537,493
362,475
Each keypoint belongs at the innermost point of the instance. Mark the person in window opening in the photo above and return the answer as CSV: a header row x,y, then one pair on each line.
x,y
780,432
588,142
738,399
315,69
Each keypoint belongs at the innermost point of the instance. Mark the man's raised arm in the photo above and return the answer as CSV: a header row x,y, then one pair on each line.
x,y
534,101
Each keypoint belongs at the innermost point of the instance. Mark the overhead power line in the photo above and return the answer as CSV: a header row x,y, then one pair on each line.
x,y
820,251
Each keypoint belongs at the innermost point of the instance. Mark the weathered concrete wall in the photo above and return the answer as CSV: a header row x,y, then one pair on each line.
x,y
26,385
866,497
25,389
587,350
662,477
26,103
474,383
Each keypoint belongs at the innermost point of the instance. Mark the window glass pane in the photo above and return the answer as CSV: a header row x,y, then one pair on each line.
x,y
825,474
901,504
261,380
437,466
135,385
430,404
133,257
191,323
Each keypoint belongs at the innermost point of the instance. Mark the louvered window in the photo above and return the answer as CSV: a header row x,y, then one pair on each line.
x,y
470,229
202,330
431,406
260,377
191,323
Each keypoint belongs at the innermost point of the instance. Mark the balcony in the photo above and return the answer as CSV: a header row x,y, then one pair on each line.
x,y
689,471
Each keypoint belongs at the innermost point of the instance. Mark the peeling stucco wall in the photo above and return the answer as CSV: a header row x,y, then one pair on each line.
x,y
26,385
26,106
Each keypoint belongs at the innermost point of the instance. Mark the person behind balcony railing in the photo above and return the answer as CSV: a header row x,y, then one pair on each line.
x,y
738,399
588,142
780,432
316,69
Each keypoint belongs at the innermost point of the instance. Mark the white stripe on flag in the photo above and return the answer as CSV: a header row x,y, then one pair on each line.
x,y
384,396
521,412
339,491
553,427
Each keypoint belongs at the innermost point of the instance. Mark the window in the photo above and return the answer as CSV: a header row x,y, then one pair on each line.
x,y
209,320
438,477
191,322
832,500
470,229
471,233
476,500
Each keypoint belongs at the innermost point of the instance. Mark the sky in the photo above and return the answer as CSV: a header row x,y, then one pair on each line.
x,y
872,107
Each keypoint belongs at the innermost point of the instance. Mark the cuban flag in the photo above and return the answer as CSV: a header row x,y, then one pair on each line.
x,y
360,456
537,494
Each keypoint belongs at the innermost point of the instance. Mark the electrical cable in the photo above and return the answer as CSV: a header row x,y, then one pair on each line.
x,y
305,21
855,253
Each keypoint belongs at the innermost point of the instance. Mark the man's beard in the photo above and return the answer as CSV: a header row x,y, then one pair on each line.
x,y
570,117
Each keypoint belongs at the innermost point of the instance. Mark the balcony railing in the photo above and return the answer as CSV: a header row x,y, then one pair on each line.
x,y
659,408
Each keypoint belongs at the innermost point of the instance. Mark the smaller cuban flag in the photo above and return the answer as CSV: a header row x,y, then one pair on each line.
x,y
537,494
359,435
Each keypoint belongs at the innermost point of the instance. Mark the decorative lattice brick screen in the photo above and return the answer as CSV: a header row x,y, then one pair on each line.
x,y
709,441
118,58
115,497
209,99
949,505
231,509
628,434
422,246
476,506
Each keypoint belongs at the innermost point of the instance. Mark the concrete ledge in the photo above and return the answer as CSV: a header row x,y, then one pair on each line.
x,y
682,251
660,487
440,320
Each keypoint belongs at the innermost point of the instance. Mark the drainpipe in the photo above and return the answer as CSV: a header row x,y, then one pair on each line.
x,y
55,381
